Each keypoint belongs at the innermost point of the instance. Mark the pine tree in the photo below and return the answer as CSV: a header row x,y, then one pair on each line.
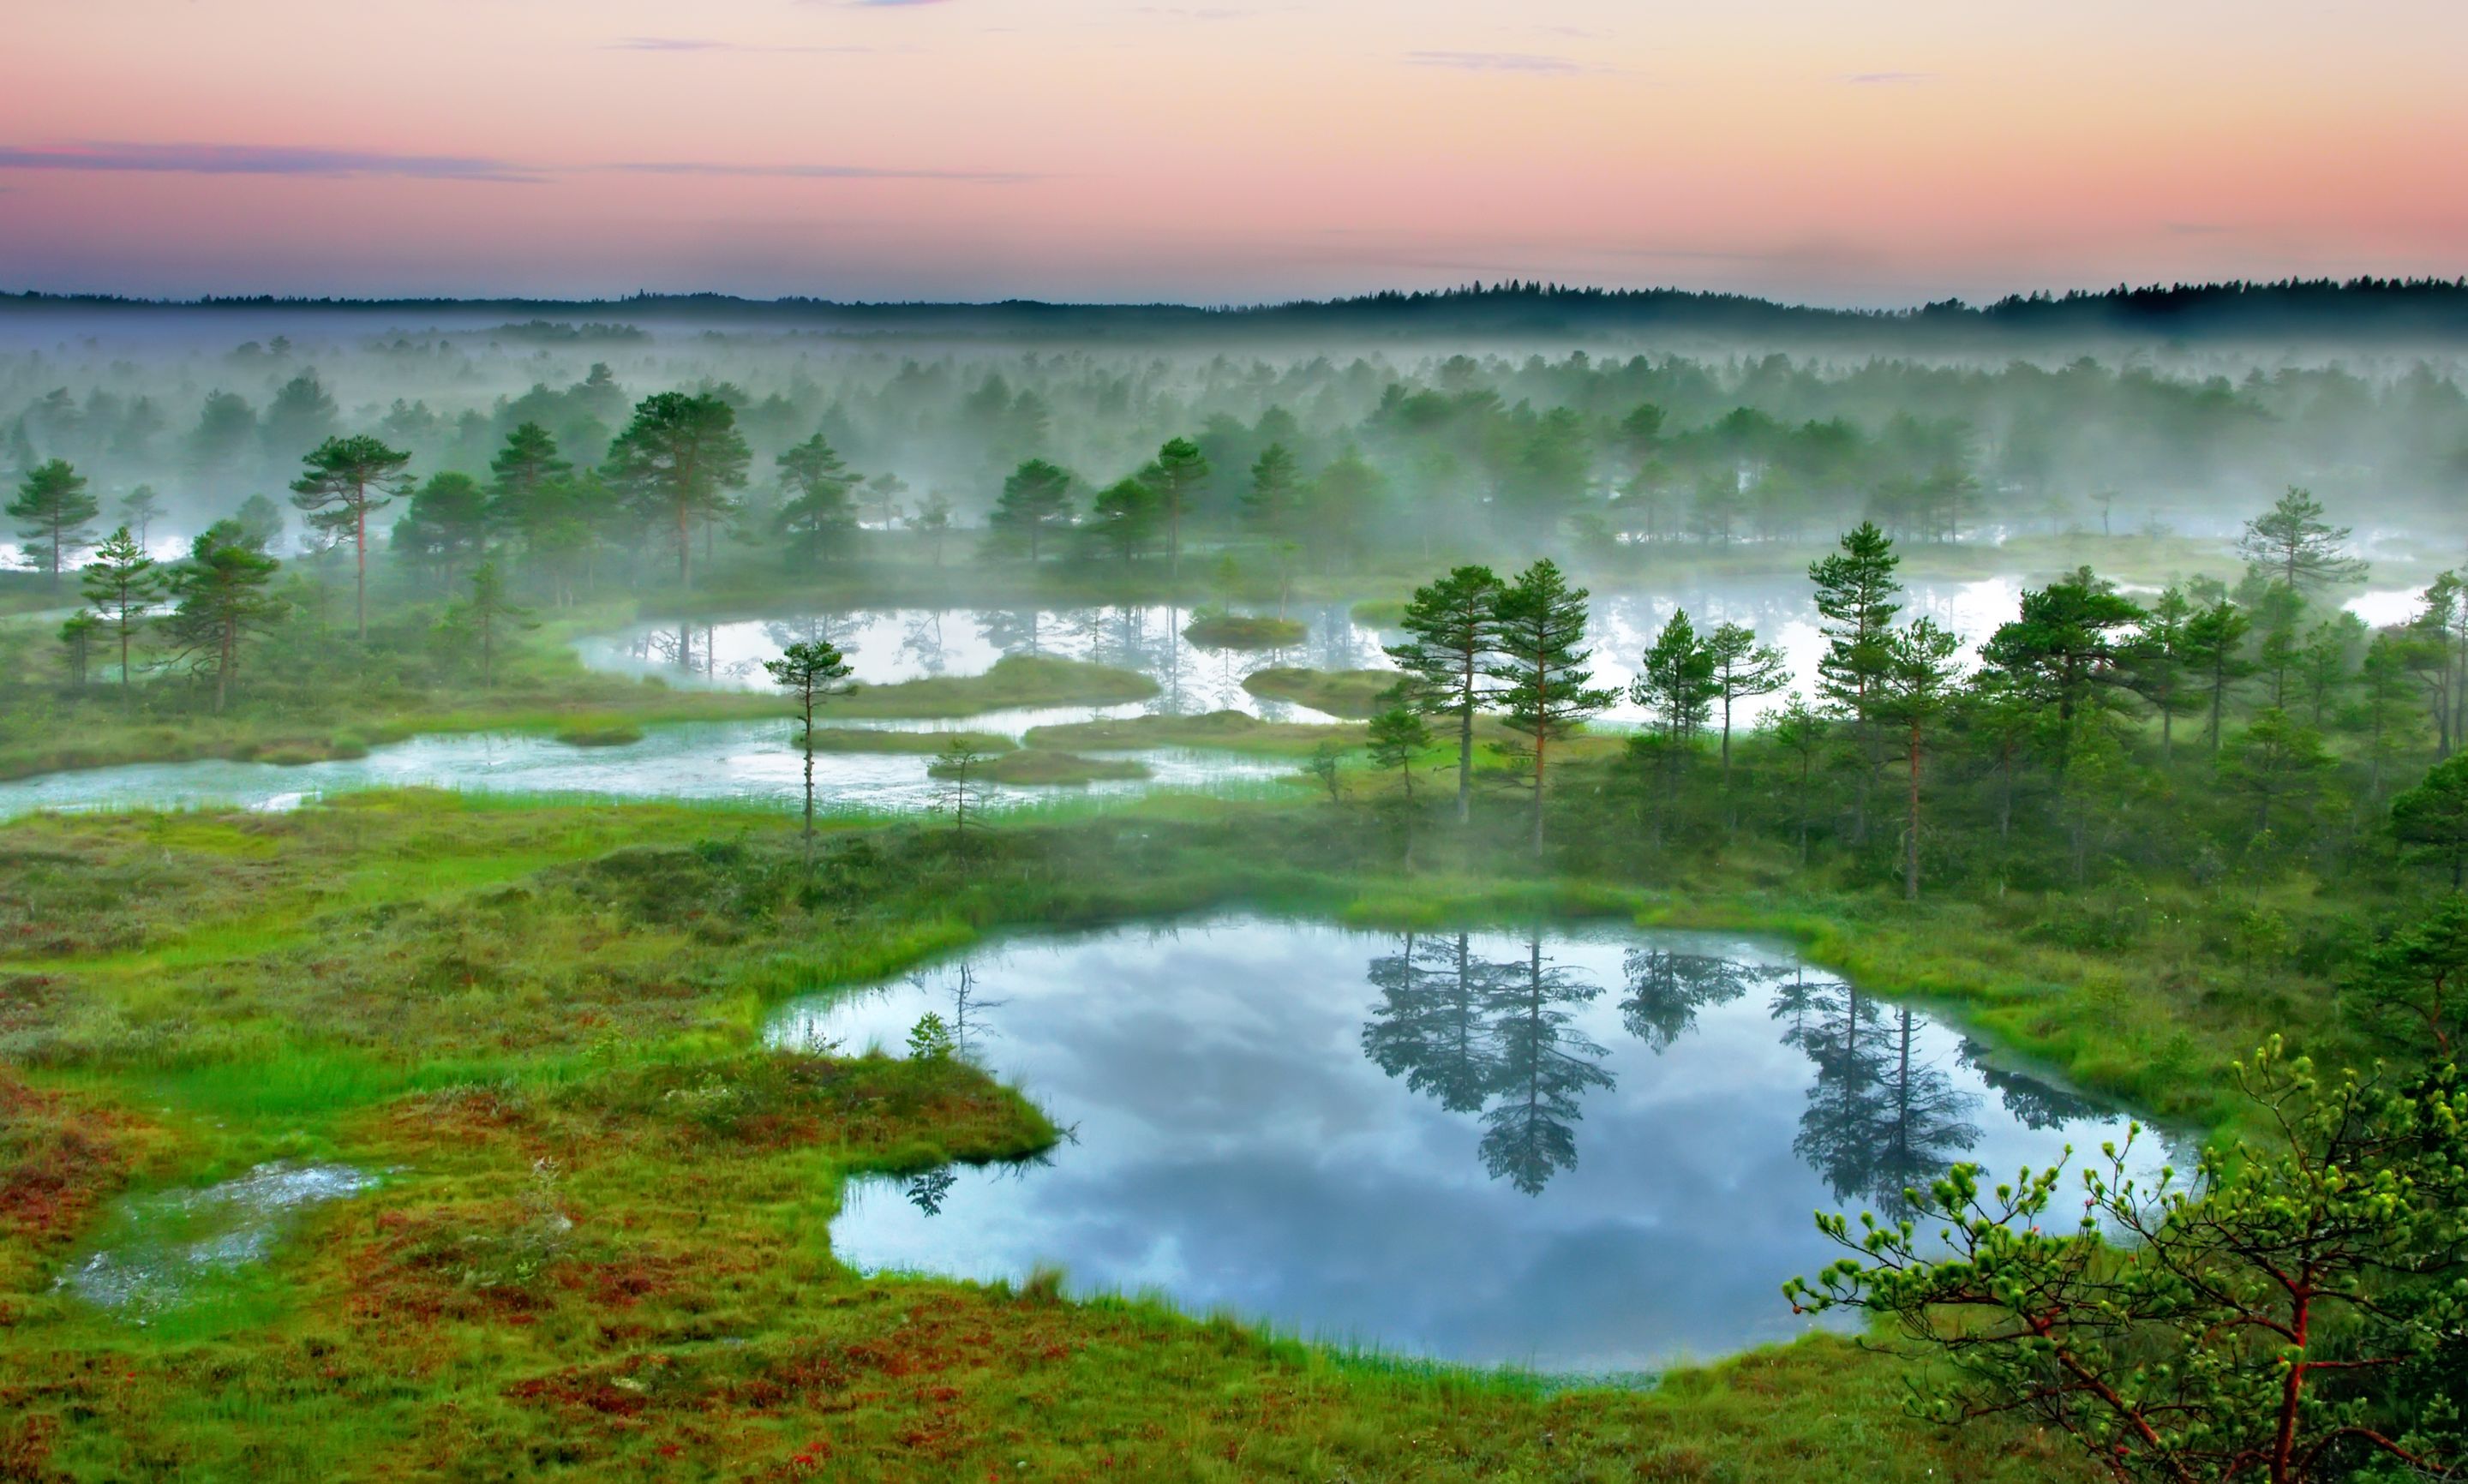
x,y
489,611
1743,671
1178,475
141,509
1036,499
521,475
1397,735
2215,649
342,481
1674,681
818,515
1916,688
1538,621
1857,597
223,596
56,509
812,672
1449,628
2296,547
2156,664
1123,516
677,461
121,584
445,524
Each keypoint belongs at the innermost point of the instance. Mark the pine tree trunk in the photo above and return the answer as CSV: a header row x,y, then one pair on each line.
x,y
1911,842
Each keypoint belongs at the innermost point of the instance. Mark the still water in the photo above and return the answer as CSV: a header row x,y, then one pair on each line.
x,y
752,762
886,645
1581,1150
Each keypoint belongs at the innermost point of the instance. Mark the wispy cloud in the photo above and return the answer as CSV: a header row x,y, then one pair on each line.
x,y
1534,64
200,159
333,163
699,45
821,172
1886,78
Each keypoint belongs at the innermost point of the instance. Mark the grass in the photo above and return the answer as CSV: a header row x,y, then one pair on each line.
x,y
865,739
1039,767
1228,731
599,734
1017,682
1339,692
602,1248
1243,631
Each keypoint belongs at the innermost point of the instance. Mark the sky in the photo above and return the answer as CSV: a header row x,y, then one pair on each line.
x,y
1220,151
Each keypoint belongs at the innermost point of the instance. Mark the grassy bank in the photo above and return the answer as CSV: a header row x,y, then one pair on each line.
x,y
601,1242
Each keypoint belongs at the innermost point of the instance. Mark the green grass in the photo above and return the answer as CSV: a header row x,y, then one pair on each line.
x,y
604,1249
863,739
1038,766
1015,681
1338,693
1226,731
1243,631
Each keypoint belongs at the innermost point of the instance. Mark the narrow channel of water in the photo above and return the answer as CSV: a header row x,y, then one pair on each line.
x,y
751,761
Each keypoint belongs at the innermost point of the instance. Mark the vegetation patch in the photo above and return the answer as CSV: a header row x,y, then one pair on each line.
x,y
1230,731
1243,631
871,739
1015,681
604,733
1356,693
1040,766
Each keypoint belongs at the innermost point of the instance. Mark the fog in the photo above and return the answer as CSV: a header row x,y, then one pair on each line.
x,y
1466,437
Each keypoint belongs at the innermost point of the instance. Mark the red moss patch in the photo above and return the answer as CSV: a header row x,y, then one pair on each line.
x,y
60,1158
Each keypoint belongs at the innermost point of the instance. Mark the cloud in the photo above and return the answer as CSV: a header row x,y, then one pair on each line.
x,y
820,171
1886,78
333,163
1533,63
200,159
692,44
888,5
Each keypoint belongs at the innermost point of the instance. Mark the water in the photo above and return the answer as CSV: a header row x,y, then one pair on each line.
x,y
1589,1152
891,645
750,761
171,1241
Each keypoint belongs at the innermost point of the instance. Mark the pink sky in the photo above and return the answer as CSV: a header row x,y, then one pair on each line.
x,y
1224,151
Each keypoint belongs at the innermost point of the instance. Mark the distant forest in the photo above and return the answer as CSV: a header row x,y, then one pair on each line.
x,y
2358,310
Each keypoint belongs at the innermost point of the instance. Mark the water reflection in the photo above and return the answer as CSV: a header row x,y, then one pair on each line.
x,y
1587,1151
1493,1037
889,645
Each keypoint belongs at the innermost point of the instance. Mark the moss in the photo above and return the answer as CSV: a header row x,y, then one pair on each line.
x,y
1339,692
1037,765
599,734
1243,631
1230,731
862,738
1015,681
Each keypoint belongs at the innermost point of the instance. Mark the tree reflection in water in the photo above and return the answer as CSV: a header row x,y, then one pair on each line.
x,y
1493,1037
1490,1035
1879,1121
1529,1129
1666,990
